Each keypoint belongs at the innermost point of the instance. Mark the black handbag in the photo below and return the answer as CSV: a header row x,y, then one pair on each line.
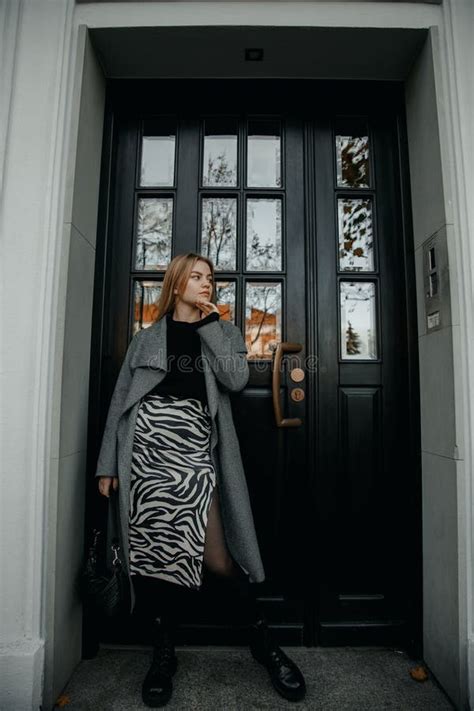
x,y
104,588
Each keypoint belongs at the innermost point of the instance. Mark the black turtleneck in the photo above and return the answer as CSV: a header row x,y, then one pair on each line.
x,y
185,376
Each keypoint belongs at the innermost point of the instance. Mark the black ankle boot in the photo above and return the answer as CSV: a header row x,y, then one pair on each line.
x,y
157,686
285,676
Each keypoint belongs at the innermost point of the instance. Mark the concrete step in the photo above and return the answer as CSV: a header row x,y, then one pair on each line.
x,y
211,678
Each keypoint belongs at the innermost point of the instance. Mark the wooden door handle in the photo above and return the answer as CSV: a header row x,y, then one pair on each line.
x,y
283,347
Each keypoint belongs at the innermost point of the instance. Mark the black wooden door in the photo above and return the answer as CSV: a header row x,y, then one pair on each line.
x,y
296,191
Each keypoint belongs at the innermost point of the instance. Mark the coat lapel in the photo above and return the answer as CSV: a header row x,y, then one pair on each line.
x,y
148,364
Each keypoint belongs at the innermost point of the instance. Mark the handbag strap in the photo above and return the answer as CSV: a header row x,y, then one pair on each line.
x,y
113,502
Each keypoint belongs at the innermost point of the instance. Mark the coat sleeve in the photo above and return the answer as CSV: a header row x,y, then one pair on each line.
x,y
229,360
107,461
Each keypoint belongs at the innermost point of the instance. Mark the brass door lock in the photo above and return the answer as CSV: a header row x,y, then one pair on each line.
x,y
297,375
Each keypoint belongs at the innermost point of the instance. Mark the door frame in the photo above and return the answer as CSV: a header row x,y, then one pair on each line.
x,y
129,92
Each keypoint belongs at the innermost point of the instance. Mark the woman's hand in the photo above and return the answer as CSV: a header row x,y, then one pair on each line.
x,y
104,484
206,307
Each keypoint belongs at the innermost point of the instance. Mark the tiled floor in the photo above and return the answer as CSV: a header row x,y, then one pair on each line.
x,y
342,678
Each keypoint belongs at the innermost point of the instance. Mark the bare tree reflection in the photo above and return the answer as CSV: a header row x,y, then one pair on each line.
x,y
219,227
355,234
218,170
264,235
145,300
262,318
154,231
225,297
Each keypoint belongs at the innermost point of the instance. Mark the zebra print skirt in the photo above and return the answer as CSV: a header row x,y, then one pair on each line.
x,y
171,487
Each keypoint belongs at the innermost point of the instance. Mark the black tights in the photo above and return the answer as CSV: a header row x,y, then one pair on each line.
x,y
159,598
155,598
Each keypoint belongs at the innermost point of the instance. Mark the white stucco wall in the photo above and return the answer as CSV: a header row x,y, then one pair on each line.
x,y
441,451
46,227
454,65
439,115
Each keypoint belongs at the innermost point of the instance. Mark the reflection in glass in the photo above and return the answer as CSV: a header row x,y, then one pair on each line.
x,y
264,234
262,318
358,331
146,297
220,153
154,233
264,154
158,153
352,151
355,235
219,231
225,297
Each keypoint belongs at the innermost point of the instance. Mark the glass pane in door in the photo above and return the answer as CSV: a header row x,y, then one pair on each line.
x,y
154,233
262,318
352,153
157,167
146,295
264,154
355,234
220,153
219,231
358,324
225,297
264,225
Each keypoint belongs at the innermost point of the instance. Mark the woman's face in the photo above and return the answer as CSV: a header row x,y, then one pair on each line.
x,y
199,284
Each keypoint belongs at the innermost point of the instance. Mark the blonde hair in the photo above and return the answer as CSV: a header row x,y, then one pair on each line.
x,y
176,277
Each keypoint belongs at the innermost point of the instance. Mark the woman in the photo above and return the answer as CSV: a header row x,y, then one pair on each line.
x,y
171,451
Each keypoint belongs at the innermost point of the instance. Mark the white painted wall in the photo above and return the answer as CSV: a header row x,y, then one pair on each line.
x,y
48,225
438,431
31,238
52,100
439,115
454,66
64,643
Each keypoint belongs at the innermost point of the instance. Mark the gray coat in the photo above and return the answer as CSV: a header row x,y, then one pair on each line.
x,y
225,370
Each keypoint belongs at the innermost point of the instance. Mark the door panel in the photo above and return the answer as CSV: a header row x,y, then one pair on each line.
x,y
365,476
295,191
